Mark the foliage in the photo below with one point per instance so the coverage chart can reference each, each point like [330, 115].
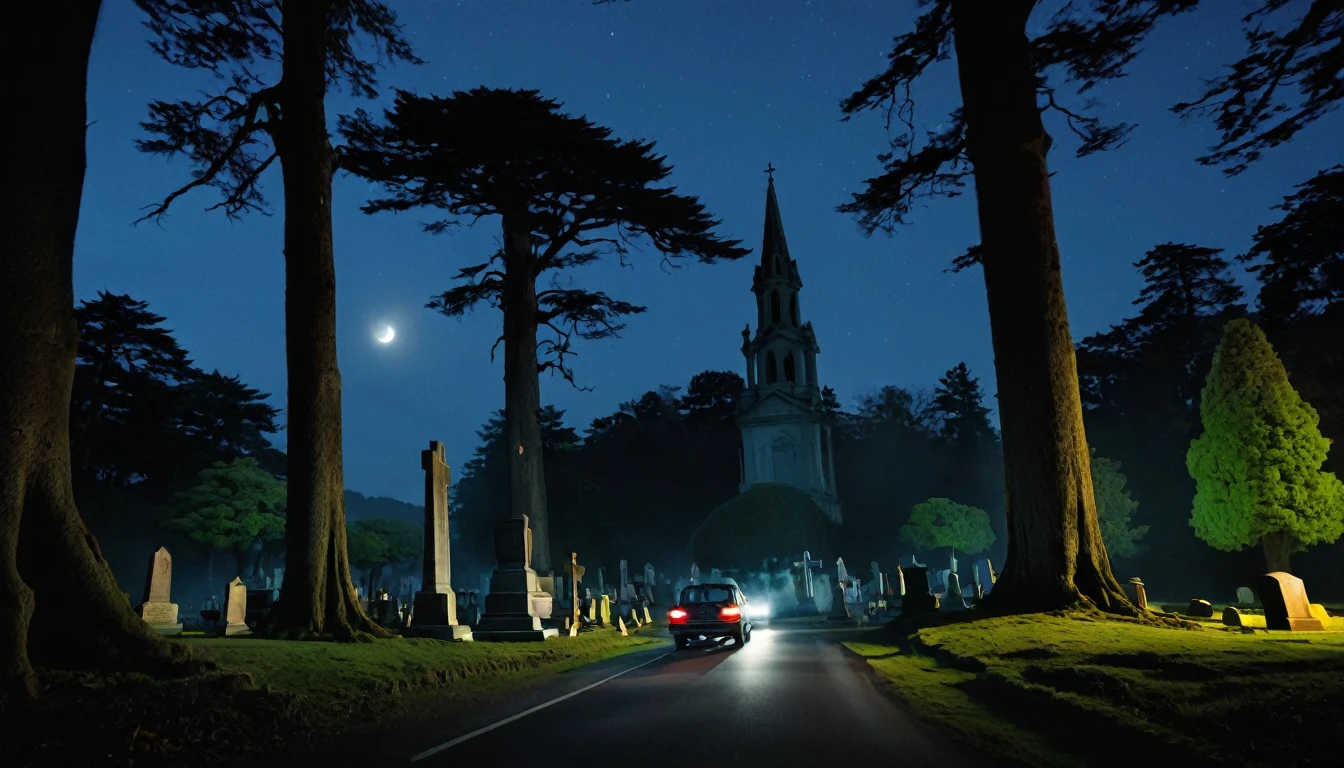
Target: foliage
[143, 415]
[376, 542]
[769, 520]
[1114, 508]
[1300, 258]
[1287, 80]
[1257, 465]
[579, 193]
[943, 523]
[234, 505]
[958, 402]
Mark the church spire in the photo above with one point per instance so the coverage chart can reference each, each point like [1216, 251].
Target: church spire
[773, 242]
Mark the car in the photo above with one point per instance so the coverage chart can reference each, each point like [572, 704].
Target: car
[710, 611]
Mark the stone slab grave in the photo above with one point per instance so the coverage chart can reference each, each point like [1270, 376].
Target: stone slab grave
[1286, 606]
[434, 613]
[235, 609]
[511, 606]
[157, 609]
[1234, 618]
[822, 593]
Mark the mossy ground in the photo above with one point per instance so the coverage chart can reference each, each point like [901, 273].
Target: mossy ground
[1079, 688]
[268, 693]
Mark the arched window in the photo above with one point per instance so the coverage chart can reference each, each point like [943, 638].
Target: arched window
[783, 461]
[793, 309]
[774, 307]
[789, 373]
[771, 372]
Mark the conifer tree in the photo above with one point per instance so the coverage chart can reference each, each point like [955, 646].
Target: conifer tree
[1257, 467]
[1114, 508]
[566, 193]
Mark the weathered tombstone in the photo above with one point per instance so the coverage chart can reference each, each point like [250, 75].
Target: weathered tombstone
[601, 581]
[839, 604]
[512, 607]
[1137, 594]
[157, 609]
[1286, 606]
[650, 579]
[1245, 596]
[918, 597]
[900, 576]
[277, 575]
[624, 587]
[1200, 609]
[435, 604]
[876, 581]
[715, 576]
[605, 610]
[841, 575]
[823, 593]
[695, 573]
[235, 609]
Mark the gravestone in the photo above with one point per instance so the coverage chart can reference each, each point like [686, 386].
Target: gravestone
[1286, 606]
[435, 604]
[678, 587]
[157, 609]
[809, 602]
[277, 575]
[512, 607]
[876, 580]
[918, 598]
[839, 604]
[235, 609]
[695, 573]
[1137, 594]
[900, 577]
[624, 590]
[715, 576]
[1245, 596]
[471, 614]
[841, 575]
[822, 593]
[1200, 609]
[650, 580]
[952, 562]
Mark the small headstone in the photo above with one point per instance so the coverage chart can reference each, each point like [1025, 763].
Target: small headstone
[1234, 618]
[235, 609]
[1286, 606]
[157, 609]
[1137, 594]
[1200, 609]
[1245, 596]
[918, 597]
[822, 593]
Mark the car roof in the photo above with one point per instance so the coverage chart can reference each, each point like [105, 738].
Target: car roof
[720, 584]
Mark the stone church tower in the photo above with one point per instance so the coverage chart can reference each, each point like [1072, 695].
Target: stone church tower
[786, 435]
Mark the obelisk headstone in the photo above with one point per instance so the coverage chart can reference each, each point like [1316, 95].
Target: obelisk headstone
[695, 573]
[235, 609]
[157, 609]
[435, 608]
[511, 608]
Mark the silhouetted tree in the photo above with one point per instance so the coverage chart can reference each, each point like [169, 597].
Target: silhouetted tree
[566, 193]
[958, 404]
[1114, 507]
[1299, 259]
[232, 136]
[1286, 81]
[62, 606]
[973, 469]
[1055, 551]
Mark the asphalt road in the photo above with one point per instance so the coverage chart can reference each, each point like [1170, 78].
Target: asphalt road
[786, 696]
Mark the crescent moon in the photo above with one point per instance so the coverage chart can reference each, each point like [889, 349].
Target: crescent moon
[388, 334]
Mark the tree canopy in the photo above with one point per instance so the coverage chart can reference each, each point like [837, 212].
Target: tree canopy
[1257, 467]
[232, 505]
[943, 523]
[769, 520]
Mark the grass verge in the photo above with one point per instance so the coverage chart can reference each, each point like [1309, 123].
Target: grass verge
[268, 694]
[1069, 688]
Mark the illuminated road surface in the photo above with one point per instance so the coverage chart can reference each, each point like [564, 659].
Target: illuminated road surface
[786, 697]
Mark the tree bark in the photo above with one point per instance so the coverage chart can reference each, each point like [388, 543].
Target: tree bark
[1055, 551]
[1278, 548]
[61, 605]
[318, 597]
[522, 390]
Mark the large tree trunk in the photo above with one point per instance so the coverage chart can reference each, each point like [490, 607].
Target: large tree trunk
[1055, 551]
[59, 603]
[1278, 548]
[318, 597]
[522, 391]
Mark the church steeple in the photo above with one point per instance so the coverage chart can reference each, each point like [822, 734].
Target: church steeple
[773, 243]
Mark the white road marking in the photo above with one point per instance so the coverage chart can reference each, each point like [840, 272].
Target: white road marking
[449, 744]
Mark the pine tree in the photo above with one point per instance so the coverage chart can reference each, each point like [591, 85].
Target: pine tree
[275, 62]
[232, 506]
[566, 193]
[1257, 465]
[959, 404]
[1114, 508]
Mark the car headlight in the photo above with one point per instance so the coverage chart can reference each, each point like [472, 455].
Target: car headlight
[762, 610]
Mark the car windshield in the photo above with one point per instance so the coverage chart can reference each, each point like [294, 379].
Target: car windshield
[706, 594]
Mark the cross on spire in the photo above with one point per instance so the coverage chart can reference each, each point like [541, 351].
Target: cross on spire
[770, 171]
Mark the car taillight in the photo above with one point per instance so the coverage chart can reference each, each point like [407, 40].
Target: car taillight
[730, 613]
[676, 616]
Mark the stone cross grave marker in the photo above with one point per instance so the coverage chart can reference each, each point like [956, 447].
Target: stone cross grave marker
[808, 589]
[435, 608]
[235, 609]
[1284, 597]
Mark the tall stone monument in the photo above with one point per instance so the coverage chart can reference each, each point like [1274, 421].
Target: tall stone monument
[807, 604]
[235, 609]
[157, 609]
[511, 607]
[435, 608]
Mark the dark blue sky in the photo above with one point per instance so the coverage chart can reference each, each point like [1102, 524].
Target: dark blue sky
[724, 88]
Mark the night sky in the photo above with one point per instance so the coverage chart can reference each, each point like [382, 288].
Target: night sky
[724, 88]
